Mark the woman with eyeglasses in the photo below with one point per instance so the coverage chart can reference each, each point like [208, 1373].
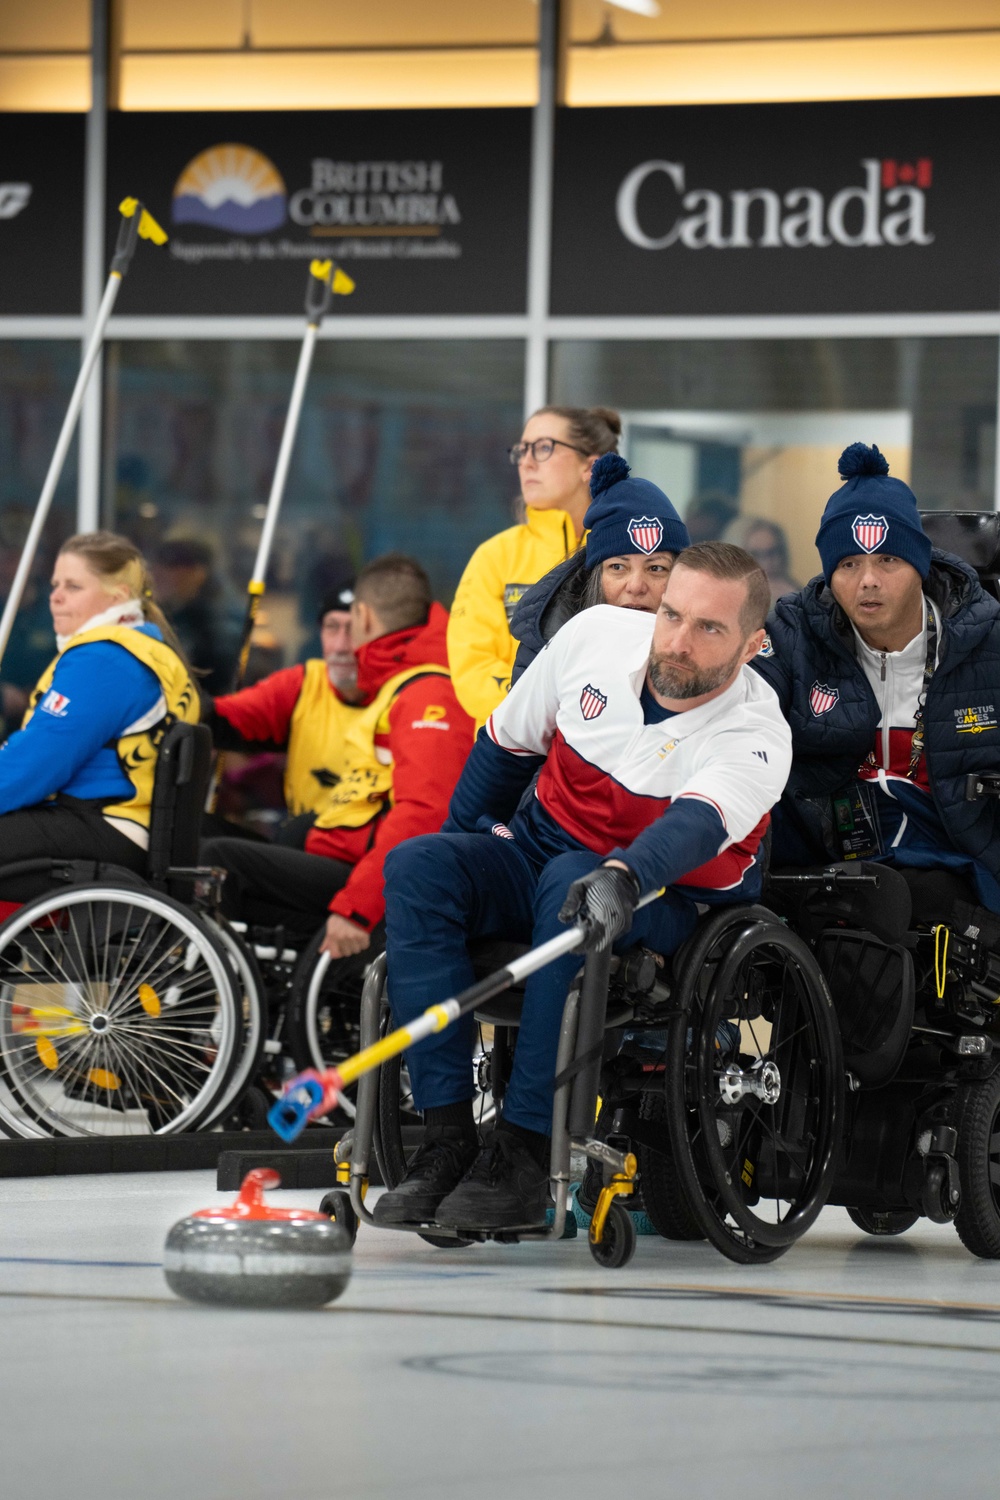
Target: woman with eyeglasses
[633, 535]
[557, 451]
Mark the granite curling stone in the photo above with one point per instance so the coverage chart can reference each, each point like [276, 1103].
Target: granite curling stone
[250, 1255]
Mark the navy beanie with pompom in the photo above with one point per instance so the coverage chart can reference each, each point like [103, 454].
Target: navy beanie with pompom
[871, 513]
[628, 515]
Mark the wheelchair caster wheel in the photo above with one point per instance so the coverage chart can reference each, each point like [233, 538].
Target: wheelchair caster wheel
[617, 1245]
[941, 1197]
[250, 1112]
[336, 1205]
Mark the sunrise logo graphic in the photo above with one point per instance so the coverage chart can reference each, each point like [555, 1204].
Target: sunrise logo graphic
[231, 187]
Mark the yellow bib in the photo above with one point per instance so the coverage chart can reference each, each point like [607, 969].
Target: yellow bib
[366, 785]
[137, 749]
[317, 739]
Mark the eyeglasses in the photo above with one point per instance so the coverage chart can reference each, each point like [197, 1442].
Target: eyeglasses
[540, 449]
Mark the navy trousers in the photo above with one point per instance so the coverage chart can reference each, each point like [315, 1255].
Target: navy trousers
[445, 888]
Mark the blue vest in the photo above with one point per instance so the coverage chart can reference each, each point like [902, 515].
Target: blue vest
[809, 657]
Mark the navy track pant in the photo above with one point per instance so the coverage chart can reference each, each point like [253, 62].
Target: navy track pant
[444, 888]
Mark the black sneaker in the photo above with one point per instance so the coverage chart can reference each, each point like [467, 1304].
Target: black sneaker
[505, 1188]
[438, 1166]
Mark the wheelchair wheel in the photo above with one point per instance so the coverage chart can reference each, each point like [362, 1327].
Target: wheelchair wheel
[660, 1186]
[617, 1245]
[118, 1016]
[891, 1221]
[754, 1125]
[253, 1011]
[976, 1117]
[337, 1206]
[322, 1018]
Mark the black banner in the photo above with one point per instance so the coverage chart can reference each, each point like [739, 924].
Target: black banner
[887, 206]
[427, 210]
[41, 214]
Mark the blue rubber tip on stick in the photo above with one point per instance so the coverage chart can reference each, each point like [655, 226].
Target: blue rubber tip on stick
[290, 1115]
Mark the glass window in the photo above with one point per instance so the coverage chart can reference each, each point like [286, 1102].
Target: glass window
[36, 381]
[402, 445]
[746, 433]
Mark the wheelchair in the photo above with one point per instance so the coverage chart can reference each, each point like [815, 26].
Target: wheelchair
[127, 1006]
[919, 1016]
[720, 1077]
[130, 1005]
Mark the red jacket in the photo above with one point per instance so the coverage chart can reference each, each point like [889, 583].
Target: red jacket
[427, 762]
[261, 714]
[428, 750]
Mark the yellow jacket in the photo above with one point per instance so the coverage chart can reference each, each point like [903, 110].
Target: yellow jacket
[481, 649]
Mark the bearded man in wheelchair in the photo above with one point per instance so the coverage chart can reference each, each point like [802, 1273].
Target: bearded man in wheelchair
[888, 669]
[658, 755]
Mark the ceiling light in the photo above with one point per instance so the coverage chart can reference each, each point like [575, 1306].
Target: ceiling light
[640, 7]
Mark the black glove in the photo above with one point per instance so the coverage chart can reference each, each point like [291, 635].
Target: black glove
[604, 901]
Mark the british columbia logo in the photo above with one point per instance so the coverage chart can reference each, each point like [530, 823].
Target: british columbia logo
[592, 702]
[645, 534]
[823, 698]
[231, 187]
[870, 532]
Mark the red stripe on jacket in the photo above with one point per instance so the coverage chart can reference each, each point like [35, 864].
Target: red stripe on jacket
[600, 813]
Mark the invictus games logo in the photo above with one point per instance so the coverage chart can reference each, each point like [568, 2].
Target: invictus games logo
[655, 210]
[975, 720]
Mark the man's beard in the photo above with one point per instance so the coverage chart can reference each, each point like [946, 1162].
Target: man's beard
[677, 680]
[343, 675]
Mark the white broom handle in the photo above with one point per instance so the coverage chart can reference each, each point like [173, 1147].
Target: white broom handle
[58, 459]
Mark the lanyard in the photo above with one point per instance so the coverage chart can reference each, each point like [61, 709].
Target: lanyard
[917, 739]
[917, 742]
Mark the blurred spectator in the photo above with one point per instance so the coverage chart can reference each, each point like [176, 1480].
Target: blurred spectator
[766, 541]
[208, 621]
[330, 575]
[708, 515]
[32, 643]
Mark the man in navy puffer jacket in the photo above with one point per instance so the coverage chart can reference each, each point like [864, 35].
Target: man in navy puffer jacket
[888, 670]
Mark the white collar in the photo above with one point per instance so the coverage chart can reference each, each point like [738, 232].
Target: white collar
[128, 613]
[914, 649]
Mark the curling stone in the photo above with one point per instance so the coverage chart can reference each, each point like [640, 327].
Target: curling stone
[250, 1255]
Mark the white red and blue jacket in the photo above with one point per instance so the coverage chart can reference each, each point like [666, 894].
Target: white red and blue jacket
[682, 800]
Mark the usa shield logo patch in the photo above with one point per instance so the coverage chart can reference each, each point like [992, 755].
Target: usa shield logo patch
[645, 533]
[823, 698]
[870, 532]
[592, 702]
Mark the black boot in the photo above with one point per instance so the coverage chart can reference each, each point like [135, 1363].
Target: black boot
[438, 1166]
[505, 1188]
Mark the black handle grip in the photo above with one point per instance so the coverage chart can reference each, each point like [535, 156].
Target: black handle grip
[982, 784]
[128, 238]
[319, 296]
